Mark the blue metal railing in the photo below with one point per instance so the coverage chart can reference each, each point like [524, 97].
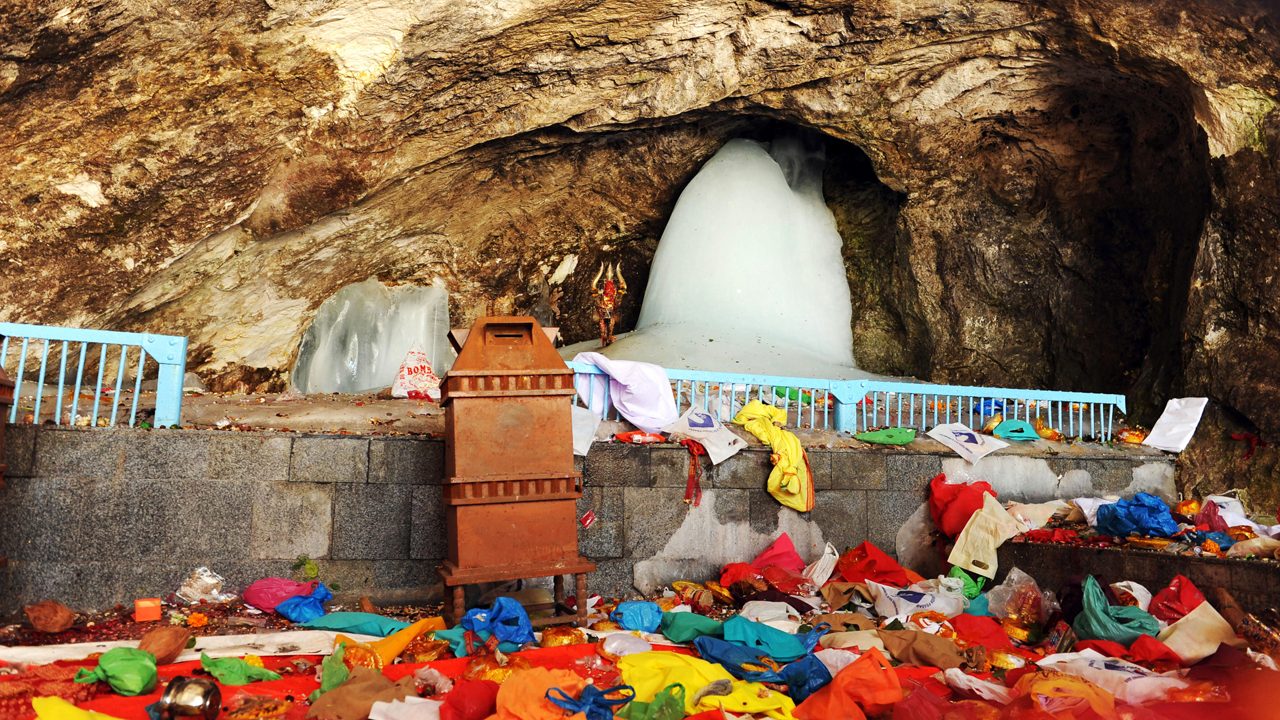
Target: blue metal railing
[858, 405]
[71, 348]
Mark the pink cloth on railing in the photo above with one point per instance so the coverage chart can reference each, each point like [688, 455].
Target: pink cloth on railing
[640, 391]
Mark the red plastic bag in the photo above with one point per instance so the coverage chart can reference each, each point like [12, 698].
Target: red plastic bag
[868, 562]
[980, 630]
[1110, 648]
[867, 686]
[639, 437]
[923, 676]
[267, 593]
[786, 581]
[951, 506]
[921, 704]
[1180, 598]
[1150, 651]
[1210, 516]
[734, 572]
[470, 700]
[781, 553]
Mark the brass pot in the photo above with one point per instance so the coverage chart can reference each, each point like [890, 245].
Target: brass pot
[186, 697]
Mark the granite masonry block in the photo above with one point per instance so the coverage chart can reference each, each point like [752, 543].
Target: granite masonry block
[763, 512]
[97, 453]
[372, 522]
[618, 464]
[612, 578]
[406, 461]
[652, 516]
[858, 470]
[329, 459]
[749, 469]
[258, 457]
[292, 519]
[20, 450]
[842, 515]
[820, 460]
[36, 522]
[427, 530]
[887, 511]
[669, 467]
[911, 472]
[605, 537]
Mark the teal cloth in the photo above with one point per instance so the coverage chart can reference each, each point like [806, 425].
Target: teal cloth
[770, 641]
[1099, 620]
[129, 671]
[357, 622]
[454, 636]
[980, 605]
[683, 627]
[234, 671]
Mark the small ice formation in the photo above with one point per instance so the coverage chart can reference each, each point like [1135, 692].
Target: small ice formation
[748, 276]
[361, 335]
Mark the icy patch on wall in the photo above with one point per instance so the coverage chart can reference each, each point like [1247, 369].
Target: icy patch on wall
[360, 336]
[703, 545]
[748, 276]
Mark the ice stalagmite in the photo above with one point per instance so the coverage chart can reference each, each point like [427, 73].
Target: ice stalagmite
[748, 276]
[360, 336]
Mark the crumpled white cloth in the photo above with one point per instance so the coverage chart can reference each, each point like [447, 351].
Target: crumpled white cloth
[640, 391]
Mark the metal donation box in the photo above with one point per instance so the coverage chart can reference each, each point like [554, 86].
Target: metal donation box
[510, 487]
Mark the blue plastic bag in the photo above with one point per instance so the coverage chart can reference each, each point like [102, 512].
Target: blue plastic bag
[1145, 514]
[593, 703]
[802, 677]
[507, 620]
[638, 615]
[305, 608]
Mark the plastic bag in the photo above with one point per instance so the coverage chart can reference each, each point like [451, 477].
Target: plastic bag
[234, 671]
[358, 622]
[668, 704]
[982, 631]
[1099, 620]
[649, 673]
[1128, 682]
[973, 584]
[1176, 600]
[1060, 695]
[638, 615]
[203, 585]
[891, 601]
[470, 700]
[415, 379]
[957, 679]
[333, 672]
[1145, 514]
[778, 615]
[986, 530]
[1129, 590]
[128, 671]
[735, 572]
[620, 645]
[821, 569]
[55, 708]
[593, 703]
[1261, 546]
[684, 627]
[782, 553]
[507, 620]
[787, 582]
[305, 608]
[781, 646]
[921, 704]
[1197, 635]
[267, 593]
[868, 685]
[1016, 585]
[868, 562]
[952, 504]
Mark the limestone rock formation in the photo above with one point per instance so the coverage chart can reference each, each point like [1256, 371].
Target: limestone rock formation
[1079, 194]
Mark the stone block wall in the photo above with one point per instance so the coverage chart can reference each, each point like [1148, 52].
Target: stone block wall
[96, 516]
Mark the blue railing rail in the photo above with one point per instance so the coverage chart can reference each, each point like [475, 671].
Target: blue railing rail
[858, 405]
[115, 355]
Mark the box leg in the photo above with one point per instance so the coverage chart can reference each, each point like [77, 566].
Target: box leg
[581, 588]
[459, 604]
[557, 585]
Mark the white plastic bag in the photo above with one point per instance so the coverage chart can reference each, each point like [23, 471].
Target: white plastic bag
[968, 444]
[1130, 683]
[721, 442]
[415, 379]
[1173, 431]
[957, 679]
[585, 424]
[204, 585]
[890, 601]
[778, 615]
[1138, 592]
[986, 530]
[820, 571]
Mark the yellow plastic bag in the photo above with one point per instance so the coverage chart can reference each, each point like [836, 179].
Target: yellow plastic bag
[790, 482]
[987, 529]
[648, 673]
[752, 699]
[55, 708]
[1047, 687]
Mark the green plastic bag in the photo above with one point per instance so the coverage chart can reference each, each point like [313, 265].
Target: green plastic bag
[668, 704]
[1102, 621]
[234, 671]
[333, 672]
[683, 627]
[888, 436]
[972, 583]
[129, 671]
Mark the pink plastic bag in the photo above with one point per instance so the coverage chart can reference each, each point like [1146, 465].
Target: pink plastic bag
[781, 553]
[267, 593]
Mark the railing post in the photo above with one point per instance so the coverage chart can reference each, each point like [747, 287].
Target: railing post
[171, 355]
[848, 394]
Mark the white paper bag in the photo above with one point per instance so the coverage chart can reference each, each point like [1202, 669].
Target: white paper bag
[969, 444]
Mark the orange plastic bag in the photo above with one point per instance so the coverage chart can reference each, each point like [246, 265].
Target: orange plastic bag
[524, 695]
[867, 686]
[1057, 693]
